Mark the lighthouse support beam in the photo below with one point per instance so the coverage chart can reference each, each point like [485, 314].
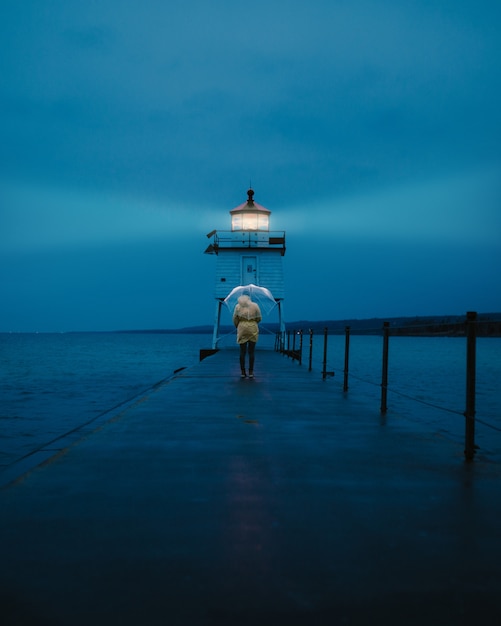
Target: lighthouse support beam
[281, 320]
[217, 322]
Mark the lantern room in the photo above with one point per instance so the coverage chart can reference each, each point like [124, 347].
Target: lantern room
[250, 216]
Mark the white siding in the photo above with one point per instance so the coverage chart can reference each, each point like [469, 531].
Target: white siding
[227, 272]
[270, 272]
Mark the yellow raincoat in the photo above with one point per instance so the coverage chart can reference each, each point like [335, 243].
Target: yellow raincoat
[246, 318]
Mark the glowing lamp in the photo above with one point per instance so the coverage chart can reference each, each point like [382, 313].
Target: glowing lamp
[250, 216]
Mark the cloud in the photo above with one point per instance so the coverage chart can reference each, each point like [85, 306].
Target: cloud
[172, 99]
[43, 218]
[458, 208]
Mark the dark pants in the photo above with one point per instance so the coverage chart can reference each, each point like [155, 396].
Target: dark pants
[243, 350]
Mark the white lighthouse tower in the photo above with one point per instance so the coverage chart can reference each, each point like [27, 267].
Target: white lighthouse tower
[248, 254]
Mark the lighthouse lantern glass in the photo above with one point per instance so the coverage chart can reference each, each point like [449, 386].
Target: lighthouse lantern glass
[251, 220]
[236, 222]
[263, 221]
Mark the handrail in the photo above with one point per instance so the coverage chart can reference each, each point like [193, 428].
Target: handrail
[286, 344]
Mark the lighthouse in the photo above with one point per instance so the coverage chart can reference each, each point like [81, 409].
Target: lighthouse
[249, 253]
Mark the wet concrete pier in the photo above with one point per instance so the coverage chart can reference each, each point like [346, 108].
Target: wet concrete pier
[279, 500]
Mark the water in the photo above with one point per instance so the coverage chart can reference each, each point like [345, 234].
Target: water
[53, 383]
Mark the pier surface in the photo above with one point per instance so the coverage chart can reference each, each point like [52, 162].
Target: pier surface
[279, 500]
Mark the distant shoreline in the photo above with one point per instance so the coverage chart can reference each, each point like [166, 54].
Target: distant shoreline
[489, 325]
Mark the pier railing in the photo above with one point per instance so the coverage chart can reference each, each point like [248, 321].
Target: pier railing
[291, 343]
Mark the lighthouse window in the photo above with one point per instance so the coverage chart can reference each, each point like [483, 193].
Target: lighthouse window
[236, 222]
[249, 221]
[262, 222]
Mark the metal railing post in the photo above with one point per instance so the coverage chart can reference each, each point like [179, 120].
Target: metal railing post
[346, 356]
[384, 378]
[311, 350]
[300, 347]
[324, 371]
[471, 358]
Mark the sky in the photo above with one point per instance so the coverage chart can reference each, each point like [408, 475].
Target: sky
[371, 129]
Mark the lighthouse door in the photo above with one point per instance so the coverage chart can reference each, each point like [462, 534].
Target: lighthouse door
[249, 270]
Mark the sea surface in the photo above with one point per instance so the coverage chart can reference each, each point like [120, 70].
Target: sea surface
[51, 384]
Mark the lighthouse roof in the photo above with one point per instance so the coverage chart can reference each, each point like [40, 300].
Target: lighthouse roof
[250, 205]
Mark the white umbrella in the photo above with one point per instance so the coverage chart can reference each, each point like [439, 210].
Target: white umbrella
[260, 295]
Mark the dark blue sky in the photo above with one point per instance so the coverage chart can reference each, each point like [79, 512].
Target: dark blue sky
[371, 130]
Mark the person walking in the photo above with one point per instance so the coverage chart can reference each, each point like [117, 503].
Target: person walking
[246, 318]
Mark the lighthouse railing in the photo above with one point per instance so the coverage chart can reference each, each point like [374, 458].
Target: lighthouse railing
[249, 239]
